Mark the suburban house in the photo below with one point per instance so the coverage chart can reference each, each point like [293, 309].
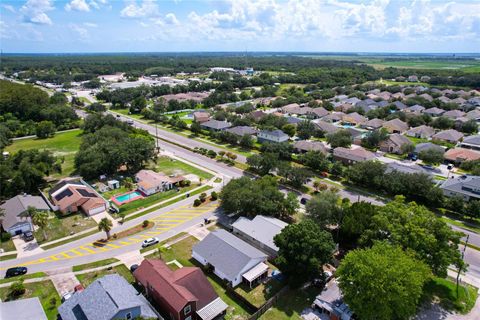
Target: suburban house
[257, 115]
[201, 116]
[353, 119]
[403, 168]
[459, 155]
[428, 146]
[334, 117]
[471, 142]
[467, 187]
[22, 309]
[72, 196]
[474, 115]
[394, 143]
[14, 220]
[150, 182]
[423, 132]
[434, 112]
[259, 232]
[450, 135]
[215, 125]
[330, 303]
[183, 294]
[351, 156]
[372, 124]
[395, 126]
[240, 131]
[318, 113]
[454, 114]
[415, 109]
[292, 108]
[399, 105]
[325, 127]
[272, 136]
[110, 297]
[303, 146]
[231, 258]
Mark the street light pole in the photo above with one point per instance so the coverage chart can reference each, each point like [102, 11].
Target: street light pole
[463, 256]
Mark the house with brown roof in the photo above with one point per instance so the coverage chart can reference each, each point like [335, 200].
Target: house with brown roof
[394, 143]
[451, 136]
[325, 127]
[372, 124]
[201, 116]
[454, 114]
[150, 182]
[73, 196]
[303, 146]
[434, 112]
[351, 156]
[459, 155]
[183, 294]
[423, 131]
[353, 119]
[292, 108]
[395, 126]
[257, 115]
[318, 113]
[333, 117]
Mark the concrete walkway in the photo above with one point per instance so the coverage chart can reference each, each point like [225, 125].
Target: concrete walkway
[131, 258]
[25, 249]
[63, 280]
[99, 216]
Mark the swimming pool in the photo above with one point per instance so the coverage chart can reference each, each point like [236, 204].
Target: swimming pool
[127, 197]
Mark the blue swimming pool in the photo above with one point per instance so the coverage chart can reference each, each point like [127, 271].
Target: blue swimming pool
[127, 197]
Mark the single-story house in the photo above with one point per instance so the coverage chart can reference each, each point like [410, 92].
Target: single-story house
[242, 130]
[450, 135]
[353, 118]
[303, 146]
[259, 232]
[400, 105]
[467, 187]
[403, 168]
[150, 182]
[22, 309]
[110, 297]
[182, 294]
[471, 142]
[330, 303]
[395, 126]
[294, 120]
[325, 127]
[459, 155]
[394, 143]
[231, 258]
[454, 114]
[257, 115]
[426, 96]
[474, 115]
[318, 112]
[351, 156]
[372, 124]
[14, 220]
[292, 108]
[428, 146]
[333, 117]
[272, 136]
[215, 125]
[72, 196]
[434, 112]
[201, 116]
[415, 109]
[423, 131]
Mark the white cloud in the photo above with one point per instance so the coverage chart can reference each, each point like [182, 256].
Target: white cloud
[80, 31]
[90, 24]
[170, 18]
[8, 7]
[34, 11]
[147, 8]
[77, 5]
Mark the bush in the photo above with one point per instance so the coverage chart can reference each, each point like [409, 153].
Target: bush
[212, 154]
[145, 223]
[5, 236]
[17, 288]
[197, 202]
[213, 196]
[203, 197]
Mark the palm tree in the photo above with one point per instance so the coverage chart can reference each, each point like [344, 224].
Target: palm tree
[128, 183]
[40, 218]
[105, 225]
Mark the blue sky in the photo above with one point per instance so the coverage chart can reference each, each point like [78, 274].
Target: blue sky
[239, 25]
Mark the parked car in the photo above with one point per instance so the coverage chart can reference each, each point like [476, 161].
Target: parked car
[78, 288]
[28, 236]
[15, 271]
[150, 242]
[303, 201]
[130, 122]
[118, 116]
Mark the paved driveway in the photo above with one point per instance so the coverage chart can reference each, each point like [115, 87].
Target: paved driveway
[25, 249]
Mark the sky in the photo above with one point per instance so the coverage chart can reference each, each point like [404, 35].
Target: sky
[48, 26]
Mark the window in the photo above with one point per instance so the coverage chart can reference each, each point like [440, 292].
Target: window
[187, 309]
[128, 316]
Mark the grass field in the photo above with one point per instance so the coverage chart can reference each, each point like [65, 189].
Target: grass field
[64, 144]
[445, 291]
[87, 278]
[172, 166]
[44, 290]
[24, 277]
[60, 227]
[291, 304]
[472, 66]
[95, 264]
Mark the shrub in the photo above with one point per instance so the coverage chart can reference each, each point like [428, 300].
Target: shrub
[5, 236]
[145, 223]
[203, 197]
[213, 196]
[212, 154]
[197, 202]
[17, 288]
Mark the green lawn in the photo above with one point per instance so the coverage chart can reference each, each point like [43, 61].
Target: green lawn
[416, 141]
[87, 278]
[126, 112]
[27, 276]
[95, 264]
[62, 226]
[259, 294]
[445, 290]
[64, 144]
[182, 252]
[7, 246]
[44, 290]
[170, 166]
[291, 304]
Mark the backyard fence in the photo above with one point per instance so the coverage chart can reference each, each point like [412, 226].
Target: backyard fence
[267, 305]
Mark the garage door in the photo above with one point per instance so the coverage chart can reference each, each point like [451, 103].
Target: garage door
[19, 228]
[96, 210]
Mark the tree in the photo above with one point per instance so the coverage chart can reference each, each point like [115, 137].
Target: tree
[337, 169]
[372, 139]
[431, 156]
[40, 218]
[324, 208]
[105, 225]
[472, 209]
[289, 129]
[195, 128]
[341, 138]
[263, 163]
[407, 148]
[305, 129]
[303, 249]
[17, 288]
[382, 282]
[45, 129]
[357, 218]
[246, 141]
[470, 127]
[213, 196]
[202, 197]
[296, 176]
[414, 227]
[315, 160]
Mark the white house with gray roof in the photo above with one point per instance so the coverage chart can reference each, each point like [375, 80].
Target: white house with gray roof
[260, 232]
[14, 220]
[231, 258]
[467, 187]
[110, 297]
[471, 142]
[22, 309]
[272, 136]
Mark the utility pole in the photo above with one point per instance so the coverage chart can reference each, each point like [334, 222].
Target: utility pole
[156, 137]
[463, 257]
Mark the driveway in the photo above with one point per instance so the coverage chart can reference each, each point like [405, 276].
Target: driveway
[63, 280]
[131, 258]
[25, 249]
[99, 216]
